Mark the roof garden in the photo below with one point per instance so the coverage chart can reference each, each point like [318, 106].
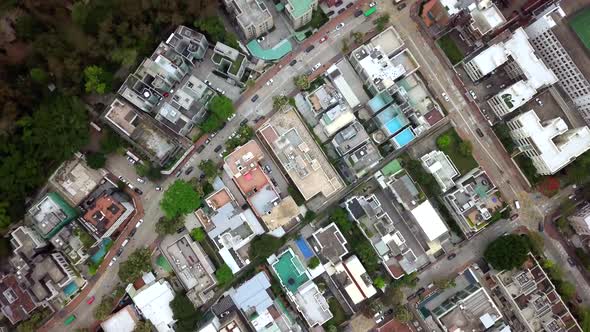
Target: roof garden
[290, 271]
[235, 66]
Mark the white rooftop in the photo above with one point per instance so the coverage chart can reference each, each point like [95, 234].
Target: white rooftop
[451, 6]
[342, 86]
[312, 304]
[557, 145]
[359, 289]
[486, 16]
[429, 220]
[441, 167]
[123, 320]
[518, 94]
[153, 302]
[378, 66]
[336, 118]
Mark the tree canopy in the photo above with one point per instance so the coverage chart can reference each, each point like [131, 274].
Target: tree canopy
[97, 80]
[184, 313]
[138, 263]
[209, 168]
[213, 28]
[169, 226]
[96, 160]
[224, 275]
[302, 82]
[198, 234]
[220, 108]
[507, 252]
[104, 308]
[263, 246]
[179, 199]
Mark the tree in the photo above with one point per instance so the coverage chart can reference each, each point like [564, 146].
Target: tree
[278, 102]
[507, 252]
[179, 199]
[125, 56]
[209, 168]
[465, 148]
[184, 313]
[393, 296]
[4, 217]
[403, 314]
[38, 75]
[302, 82]
[143, 326]
[444, 283]
[167, 226]
[296, 195]
[149, 170]
[549, 186]
[97, 80]
[263, 246]
[313, 262]
[345, 48]
[104, 308]
[96, 160]
[382, 21]
[444, 141]
[224, 275]
[34, 322]
[212, 27]
[357, 37]
[567, 290]
[138, 263]
[379, 282]
[536, 242]
[340, 217]
[198, 234]
[221, 106]
[110, 142]
[563, 225]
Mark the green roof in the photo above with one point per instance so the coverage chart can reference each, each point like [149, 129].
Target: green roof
[290, 271]
[392, 168]
[300, 7]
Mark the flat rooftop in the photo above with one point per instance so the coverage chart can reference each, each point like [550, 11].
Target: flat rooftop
[331, 243]
[51, 212]
[441, 167]
[429, 220]
[75, 180]
[350, 138]
[251, 11]
[191, 264]
[486, 19]
[282, 214]
[291, 272]
[300, 156]
[299, 7]
[243, 159]
[105, 211]
[377, 67]
[313, 305]
[389, 41]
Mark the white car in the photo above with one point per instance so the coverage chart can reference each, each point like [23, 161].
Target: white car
[140, 180]
[139, 223]
[231, 117]
[316, 66]
[113, 261]
[269, 82]
[372, 4]
[261, 39]
[472, 93]
[445, 96]
[340, 26]
[539, 101]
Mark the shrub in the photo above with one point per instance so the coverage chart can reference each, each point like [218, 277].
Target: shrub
[313, 262]
[507, 252]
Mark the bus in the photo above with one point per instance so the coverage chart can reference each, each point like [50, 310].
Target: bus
[370, 11]
[70, 320]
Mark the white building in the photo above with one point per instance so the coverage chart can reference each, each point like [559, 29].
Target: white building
[358, 285]
[335, 119]
[580, 220]
[485, 16]
[550, 144]
[124, 320]
[253, 16]
[441, 167]
[521, 61]
[571, 79]
[153, 302]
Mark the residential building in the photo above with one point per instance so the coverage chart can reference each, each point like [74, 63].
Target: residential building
[68, 241]
[300, 12]
[330, 245]
[534, 299]
[580, 220]
[441, 167]
[323, 98]
[253, 16]
[265, 312]
[16, 302]
[230, 227]
[51, 214]
[300, 288]
[355, 281]
[550, 144]
[363, 159]
[432, 226]
[339, 82]
[140, 130]
[475, 201]
[106, 211]
[124, 320]
[375, 68]
[350, 138]
[193, 268]
[555, 55]
[152, 300]
[74, 180]
[303, 160]
[464, 306]
[244, 166]
[189, 43]
[230, 61]
[521, 62]
[335, 119]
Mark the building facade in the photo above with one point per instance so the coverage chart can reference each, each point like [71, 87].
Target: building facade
[253, 16]
[580, 220]
[300, 12]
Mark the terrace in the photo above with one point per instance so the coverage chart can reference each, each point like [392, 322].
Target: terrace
[291, 272]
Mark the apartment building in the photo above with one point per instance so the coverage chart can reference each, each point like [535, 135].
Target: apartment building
[550, 144]
[300, 12]
[580, 220]
[253, 16]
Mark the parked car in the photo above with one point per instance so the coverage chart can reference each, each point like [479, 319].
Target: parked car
[140, 180]
[316, 66]
[119, 252]
[514, 216]
[341, 10]
[340, 26]
[158, 188]
[178, 173]
[445, 96]
[261, 39]
[202, 176]
[330, 13]
[293, 62]
[479, 132]
[132, 232]
[420, 291]
[358, 13]
[189, 170]
[539, 101]
[268, 169]
[243, 122]
[309, 48]
[269, 82]
[181, 229]
[90, 300]
[323, 39]
[254, 98]
[137, 190]
[213, 134]
[217, 148]
[350, 5]
[541, 226]
[139, 223]
[411, 296]
[201, 148]
[472, 93]
[207, 82]
[401, 6]
[451, 256]
[338, 3]
[571, 262]
[113, 261]
[372, 4]
[229, 118]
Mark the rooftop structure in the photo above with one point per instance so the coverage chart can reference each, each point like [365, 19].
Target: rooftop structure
[465, 306]
[75, 180]
[51, 214]
[304, 293]
[330, 243]
[323, 98]
[229, 227]
[124, 320]
[389, 40]
[406, 191]
[430, 221]
[16, 302]
[192, 266]
[534, 299]
[484, 16]
[189, 43]
[253, 16]
[550, 144]
[304, 162]
[580, 220]
[474, 200]
[353, 277]
[350, 138]
[363, 159]
[26, 242]
[67, 241]
[49, 277]
[338, 80]
[153, 302]
[229, 60]
[521, 61]
[441, 167]
[300, 12]
[335, 119]
[139, 130]
[106, 210]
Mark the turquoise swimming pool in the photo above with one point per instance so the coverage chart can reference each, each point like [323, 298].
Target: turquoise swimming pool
[404, 137]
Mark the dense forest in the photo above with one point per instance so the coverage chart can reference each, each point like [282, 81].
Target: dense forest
[56, 58]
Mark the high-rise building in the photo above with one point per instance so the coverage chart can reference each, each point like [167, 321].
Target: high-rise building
[580, 220]
[300, 12]
[252, 16]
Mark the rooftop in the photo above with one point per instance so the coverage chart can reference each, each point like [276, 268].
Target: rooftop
[336, 118]
[485, 17]
[313, 305]
[343, 87]
[300, 156]
[555, 144]
[251, 11]
[429, 220]
[75, 180]
[188, 43]
[191, 265]
[323, 98]
[441, 167]
[377, 67]
[299, 7]
[153, 301]
[364, 158]
[355, 280]
[107, 211]
[389, 40]
[48, 276]
[291, 272]
[123, 320]
[50, 214]
[243, 159]
[16, 302]
[350, 138]
[281, 214]
[252, 296]
[331, 243]
[405, 190]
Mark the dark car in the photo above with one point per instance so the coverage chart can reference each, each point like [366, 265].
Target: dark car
[330, 13]
[293, 62]
[244, 122]
[132, 232]
[358, 13]
[401, 6]
[200, 148]
[119, 252]
[202, 176]
[181, 229]
[541, 226]
[341, 10]
[309, 49]
[411, 297]
[420, 291]
[350, 5]
[137, 190]
[338, 3]
[218, 148]
[514, 216]
[189, 170]
[255, 98]
[479, 132]
[451, 256]
[571, 261]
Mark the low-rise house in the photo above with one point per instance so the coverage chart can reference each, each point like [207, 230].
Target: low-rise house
[152, 300]
[336, 118]
[350, 138]
[580, 220]
[69, 241]
[339, 82]
[323, 98]
[16, 302]
[441, 167]
[74, 180]
[51, 214]
[124, 320]
[230, 61]
[353, 278]
[363, 159]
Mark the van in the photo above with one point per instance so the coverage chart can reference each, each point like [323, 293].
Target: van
[517, 204]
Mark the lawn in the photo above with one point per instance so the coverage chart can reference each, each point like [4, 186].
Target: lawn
[463, 161]
[581, 27]
[452, 51]
[337, 311]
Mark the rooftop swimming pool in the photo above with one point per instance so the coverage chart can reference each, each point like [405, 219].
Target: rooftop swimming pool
[404, 137]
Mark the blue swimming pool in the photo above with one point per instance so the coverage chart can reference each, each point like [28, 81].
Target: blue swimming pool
[102, 251]
[70, 288]
[404, 137]
[393, 126]
[305, 249]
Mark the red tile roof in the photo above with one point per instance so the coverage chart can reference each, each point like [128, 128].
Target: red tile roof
[16, 302]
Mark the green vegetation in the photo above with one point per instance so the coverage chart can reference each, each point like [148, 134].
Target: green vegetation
[393, 296]
[584, 257]
[318, 19]
[444, 283]
[403, 315]
[110, 141]
[502, 131]
[579, 23]
[86, 239]
[407, 280]
[528, 169]
[280, 101]
[138, 263]
[357, 37]
[297, 197]
[263, 246]
[104, 308]
[144, 326]
[220, 109]
[243, 135]
[302, 82]
[209, 168]
[185, 314]
[148, 170]
[319, 81]
[313, 262]
[235, 66]
[507, 98]
[577, 171]
[97, 80]
[198, 234]
[167, 225]
[224, 275]
[179, 199]
[507, 252]
[458, 150]
[96, 160]
[379, 282]
[450, 48]
[214, 30]
[34, 322]
[381, 22]
[337, 311]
